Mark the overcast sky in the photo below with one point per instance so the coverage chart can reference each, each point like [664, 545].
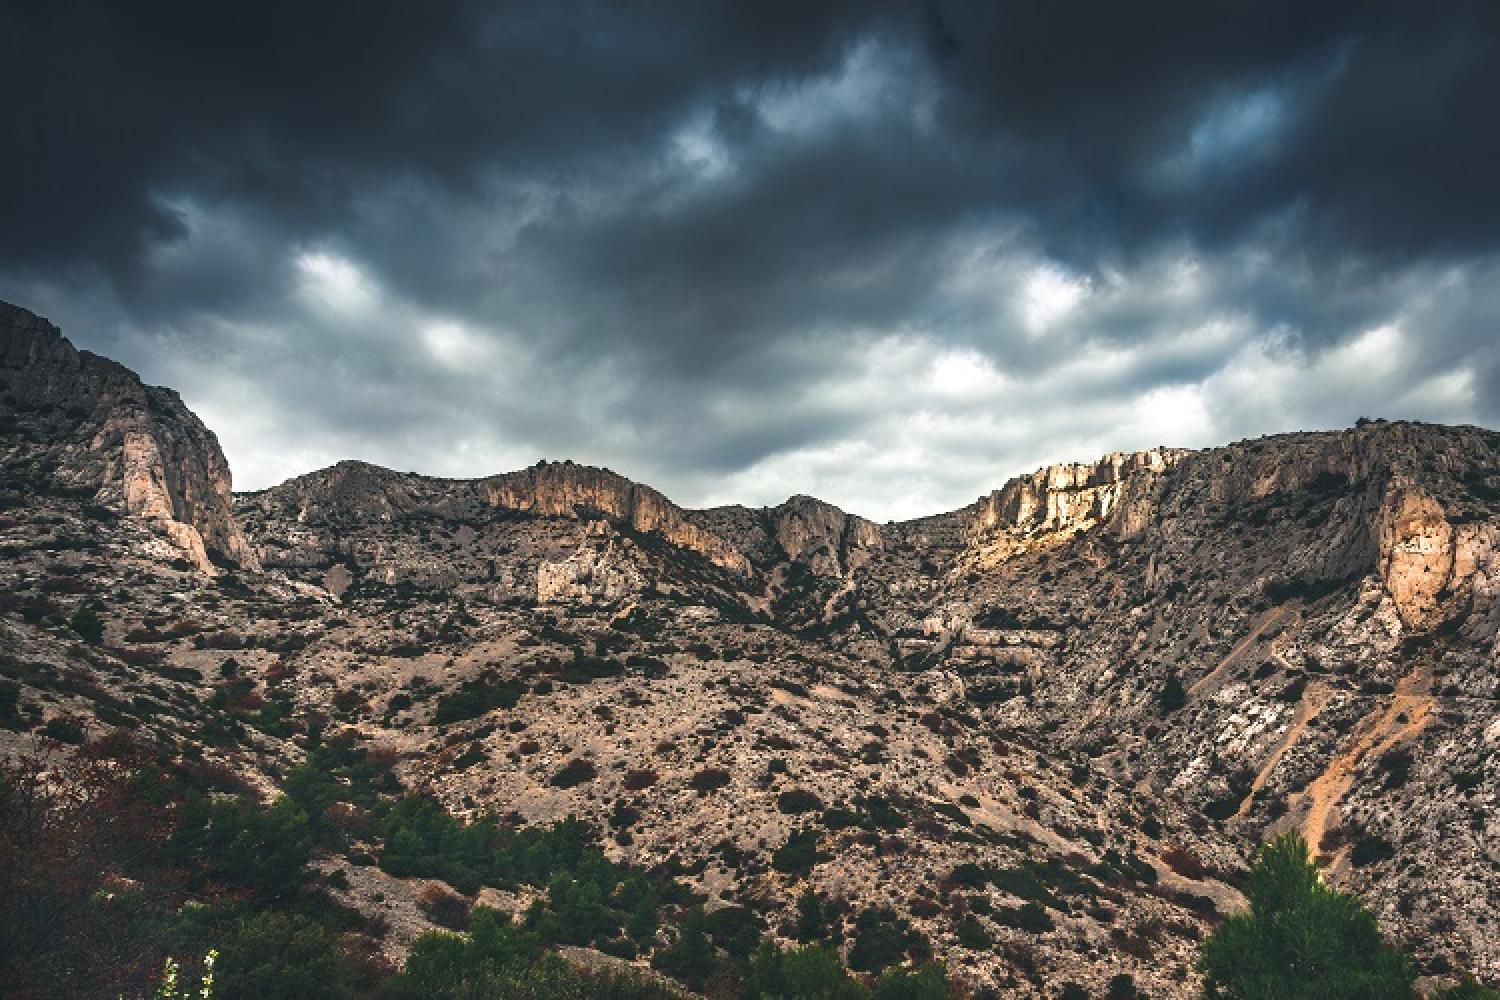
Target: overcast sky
[888, 255]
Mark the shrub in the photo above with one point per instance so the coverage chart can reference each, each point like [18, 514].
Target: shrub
[691, 957]
[972, 935]
[710, 779]
[881, 939]
[263, 849]
[86, 623]
[1369, 849]
[806, 972]
[1030, 917]
[925, 982]
[10, 705]
[798, 855]
[575, 772]
[811, 923]
[969, 874]
[798, 800]
[736, 929]
[276, 954]
[1466, 989]
[1184, 861]
[1173, 695]
[64, 729]
[445, 907]
[473, 699]
[1396, 766]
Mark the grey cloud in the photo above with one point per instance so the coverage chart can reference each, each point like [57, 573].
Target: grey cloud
[740, 252]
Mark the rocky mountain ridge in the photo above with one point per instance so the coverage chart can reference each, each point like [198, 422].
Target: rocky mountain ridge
[1123, 673]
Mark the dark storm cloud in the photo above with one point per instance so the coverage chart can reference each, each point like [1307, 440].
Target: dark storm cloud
[742, 250]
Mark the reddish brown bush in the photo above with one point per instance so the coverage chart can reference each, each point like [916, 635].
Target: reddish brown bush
[1184, 861]
[71, 824]
[444, 906]
[635, 780]
[139, 656]
[348, 700]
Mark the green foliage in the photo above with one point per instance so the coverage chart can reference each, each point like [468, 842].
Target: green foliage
[64, 729]
[263, 849]
[576, 910]
[1467, 989]
[172, 986]
[881, 939]
[1030, 917]
[972, 935]
[575, 772]
[275, 954]
[474, 698]
[925, 982]
[1173, 695]
[1041, 882]
[811, 972]
[498, 961]
[691, 958]
[1370, 848]
[799, 854]
[879, 813]
[798, 800]
[422, 839]
[811, 923]
[10, 705]
[736, 929]
[87, 624]
[584, 669]
[452, 965]
[237, 878]
[313, 791]
[1301, 939]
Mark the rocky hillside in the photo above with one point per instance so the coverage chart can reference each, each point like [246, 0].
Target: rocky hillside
[75, 421]
[1045, 730]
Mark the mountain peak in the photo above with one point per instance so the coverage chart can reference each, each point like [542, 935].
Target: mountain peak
[93, 425]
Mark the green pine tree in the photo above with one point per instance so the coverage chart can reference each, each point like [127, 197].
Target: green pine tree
[1301, 940]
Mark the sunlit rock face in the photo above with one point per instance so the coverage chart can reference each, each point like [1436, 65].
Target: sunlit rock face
[77, 421]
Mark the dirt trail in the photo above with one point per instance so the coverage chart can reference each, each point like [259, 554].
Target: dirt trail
[1314, 700]
[1403, 714]
[1268, 619]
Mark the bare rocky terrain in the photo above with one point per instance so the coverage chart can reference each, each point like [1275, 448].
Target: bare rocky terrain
[1047, 729]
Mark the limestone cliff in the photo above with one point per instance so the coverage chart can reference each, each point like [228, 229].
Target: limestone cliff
[75, 421]
[565, 489]
[830, 541]
[1057, 501]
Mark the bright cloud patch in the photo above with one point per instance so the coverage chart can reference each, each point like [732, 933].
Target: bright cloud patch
[334, 282]
[1048, 296]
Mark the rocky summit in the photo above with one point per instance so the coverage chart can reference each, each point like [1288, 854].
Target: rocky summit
[1038, 738]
